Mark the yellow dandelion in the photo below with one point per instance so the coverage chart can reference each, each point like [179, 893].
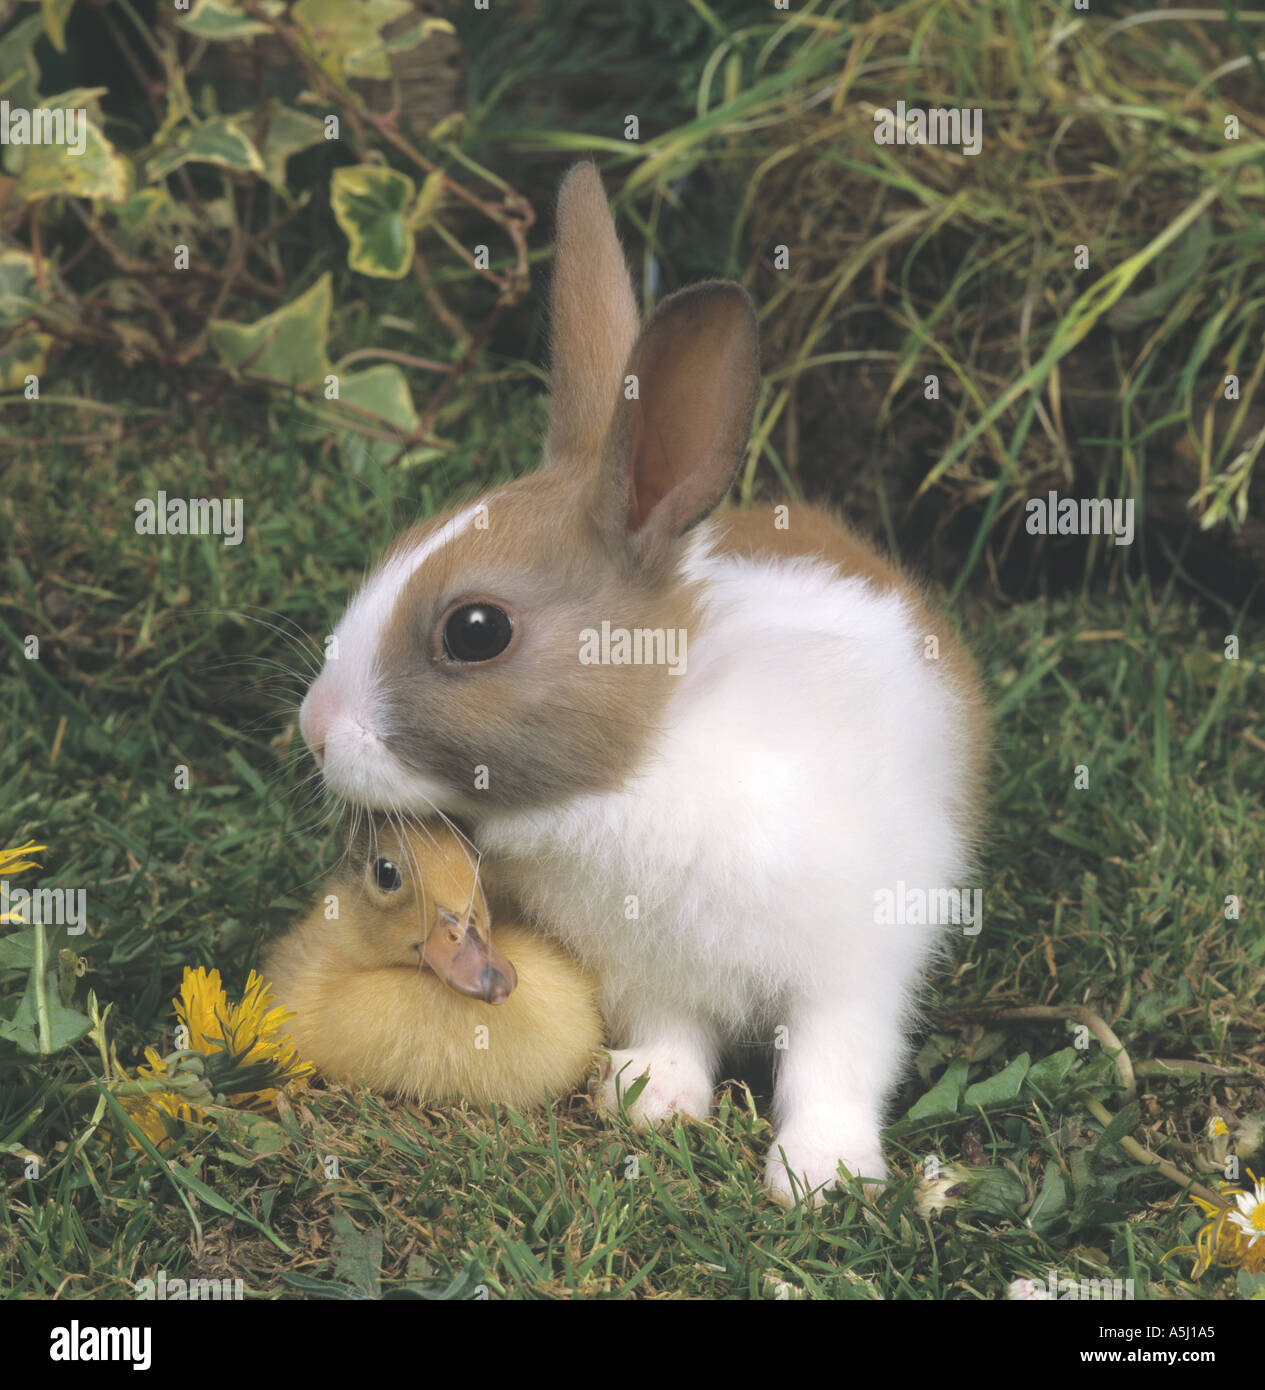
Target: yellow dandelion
[235, 1053]
[253, 1058]
[160, 1115]
[14, 861]
[202, 1007]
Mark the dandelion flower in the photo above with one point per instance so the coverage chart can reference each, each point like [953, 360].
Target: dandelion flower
[251, 1056]
[14, 861]
[239, 1052]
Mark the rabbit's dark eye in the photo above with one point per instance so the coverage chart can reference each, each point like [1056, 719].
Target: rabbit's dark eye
[477, 632]
[387, 876]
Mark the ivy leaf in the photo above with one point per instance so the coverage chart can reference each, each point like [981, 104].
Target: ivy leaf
[372, 206]
[346, 40]
[150, 218]
[55, 14]
[417, 33]
[21, 356]
[217, 141]
[999, 1089]
[290, 342]
[382, 390]
[95, 172]
[289, 131]
[222, 20]
[19, 293]
[19, 72]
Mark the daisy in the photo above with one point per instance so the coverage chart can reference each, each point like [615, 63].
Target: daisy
[1250, 1217]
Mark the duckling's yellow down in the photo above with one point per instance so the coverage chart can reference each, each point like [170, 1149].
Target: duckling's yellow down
[366, 1008]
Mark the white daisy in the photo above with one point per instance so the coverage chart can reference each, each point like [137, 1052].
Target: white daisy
[1250, 1217]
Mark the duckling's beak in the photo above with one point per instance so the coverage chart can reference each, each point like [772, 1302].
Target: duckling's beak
[467, 961]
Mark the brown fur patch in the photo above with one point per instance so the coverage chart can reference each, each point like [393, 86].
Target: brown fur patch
[545, 725]
[594, 321]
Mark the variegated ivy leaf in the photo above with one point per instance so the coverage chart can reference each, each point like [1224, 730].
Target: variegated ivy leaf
[85, 166]
[290, 342]
[19, 72]
[289, 131]
[222, 20]
[373, 205]
[384, 393]
[54, 14]
[18, 289]
[22, 357]
[417, 33]
[217, 141]
[347, 39]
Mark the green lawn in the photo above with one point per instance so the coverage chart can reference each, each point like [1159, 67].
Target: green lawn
[1109, 897]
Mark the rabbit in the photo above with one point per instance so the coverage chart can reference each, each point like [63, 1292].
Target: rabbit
[702, 747]
[397, 987]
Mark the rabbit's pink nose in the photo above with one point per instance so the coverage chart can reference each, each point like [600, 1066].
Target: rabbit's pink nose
[316, 714]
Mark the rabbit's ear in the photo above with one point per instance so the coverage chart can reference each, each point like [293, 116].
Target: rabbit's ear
[595, 319]
[674, 448]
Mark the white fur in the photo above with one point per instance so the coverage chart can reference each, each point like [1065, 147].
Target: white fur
[809, 759]
[356, 762]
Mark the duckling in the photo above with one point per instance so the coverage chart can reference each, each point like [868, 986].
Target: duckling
[406, 988]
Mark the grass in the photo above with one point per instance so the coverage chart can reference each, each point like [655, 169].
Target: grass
[1106, 668]
[1109, 897]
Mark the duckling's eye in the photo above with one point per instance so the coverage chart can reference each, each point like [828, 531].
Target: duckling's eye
[477, 632]
[387, 876]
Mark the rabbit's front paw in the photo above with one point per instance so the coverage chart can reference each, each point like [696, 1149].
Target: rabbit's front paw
[816, 1168]
[674, 1085]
